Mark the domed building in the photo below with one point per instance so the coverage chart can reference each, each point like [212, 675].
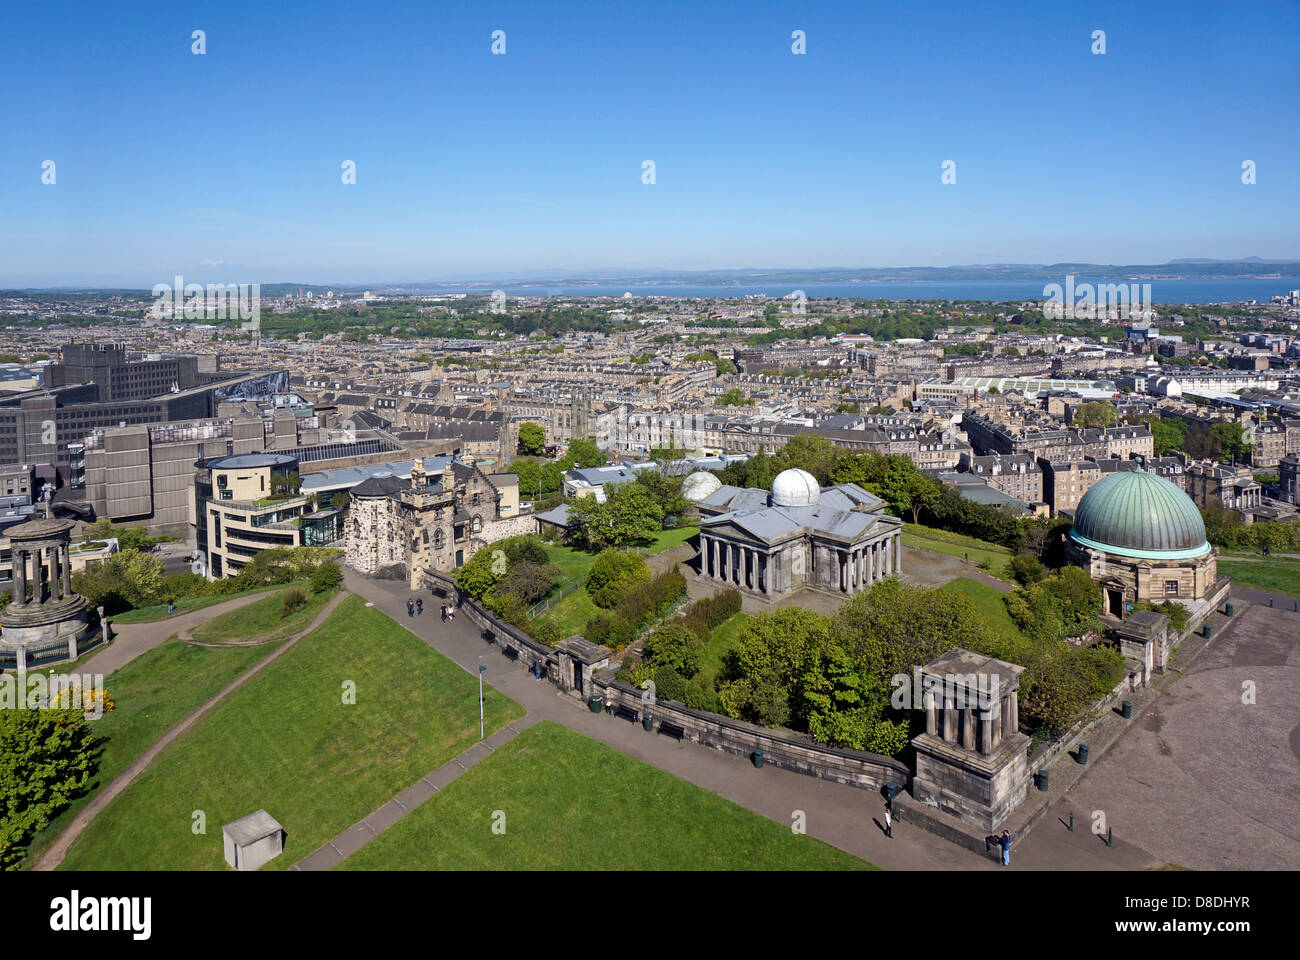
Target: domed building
[1142, 539]
[700, 485]
[776, 542]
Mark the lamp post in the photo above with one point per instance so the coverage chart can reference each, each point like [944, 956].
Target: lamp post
[481, 668]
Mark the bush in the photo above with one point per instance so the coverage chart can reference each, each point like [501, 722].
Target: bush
[546, 632]
[700, 695]
[295, 598]
[527, 549]
[327, 576]
[668, 685]
[613, 574]
[1025, 569]
[528, 579]
[711, 611]
[609, 630]
[673, 646]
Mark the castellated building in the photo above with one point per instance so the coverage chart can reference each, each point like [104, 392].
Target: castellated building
[436, 521]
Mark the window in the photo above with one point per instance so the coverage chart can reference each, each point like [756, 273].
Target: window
[437, 539]
[475, 500]
[477, 525]
[1171, 588]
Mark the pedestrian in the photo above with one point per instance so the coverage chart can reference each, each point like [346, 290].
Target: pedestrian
[419, 606]
[444, 613]
[889, 822]
[171, 604]
[410, 608]
[451, 612]
[1004, 842]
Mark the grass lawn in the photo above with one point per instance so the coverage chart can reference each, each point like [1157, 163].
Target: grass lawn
[667, 539]
[956, 545]
[260, 620]
[152, 694]
[286, 741]
[1275, 574]
[571, 803]
[572, 613]
[573, 564]
[720, 641]
[185, 605]
[989, 602]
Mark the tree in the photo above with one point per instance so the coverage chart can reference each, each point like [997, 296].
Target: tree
[734, 397]
[1026, 568]
[340, 499]
[673, 646]
[532, 440]
[629, 514]
[327, 576]
[47, 759]
[583, 453]
[1232, 440]
[1096, 413]
[613, 574]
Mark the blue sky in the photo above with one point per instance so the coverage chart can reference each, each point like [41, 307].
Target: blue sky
[226, 166]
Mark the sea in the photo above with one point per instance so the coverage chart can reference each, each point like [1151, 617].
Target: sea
[1236, 290]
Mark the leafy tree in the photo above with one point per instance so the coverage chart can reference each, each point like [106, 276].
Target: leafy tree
[1026, 568]
[629, 514]
[340, 500]
[1232, 440]
[734, 397]
[528, 580]
[675, 647]
[480, 573]
[326, 576]
[583, 453]
[1096, 413]
[532, 440]
[612, 574]
[47, 759]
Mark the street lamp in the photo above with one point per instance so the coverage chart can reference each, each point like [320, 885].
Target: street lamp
[481, 668]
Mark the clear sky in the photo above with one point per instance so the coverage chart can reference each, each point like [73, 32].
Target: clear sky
[227, 166]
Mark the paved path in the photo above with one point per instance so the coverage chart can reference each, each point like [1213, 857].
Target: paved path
[59, 849]
[132, 639]
[359, 834]
[840, 815]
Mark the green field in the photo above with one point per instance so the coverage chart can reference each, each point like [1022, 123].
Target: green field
[667, 539]
[720, 641]
[571, 803]
[956, 545]
[260, 620]
[1275, 574]
[286, 741]
[989, 601]
[152, 694]
[185, 605]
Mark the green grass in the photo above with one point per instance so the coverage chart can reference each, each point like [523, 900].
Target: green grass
[286, 742]
[667, 539]
[988, 601]
[152, 694]
[573, 564]
[186, 605]
[571, 803]
[722, 639]
[956, 545]
[260, 620]
[1275, 574]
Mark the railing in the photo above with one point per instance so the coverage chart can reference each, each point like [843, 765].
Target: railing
[541, 606]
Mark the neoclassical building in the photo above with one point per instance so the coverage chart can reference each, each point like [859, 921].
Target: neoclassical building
[1142, 539]
[773, 543]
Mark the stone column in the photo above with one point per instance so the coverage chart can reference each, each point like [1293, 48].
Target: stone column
[949, 718]
[735, 566]
[996, 711]
[1011, 714]
[59, 570]
[18, 570]
[986, 732]
[931, 719]
[968, 728]
[869, 555]
[843, 562]
[898, 551]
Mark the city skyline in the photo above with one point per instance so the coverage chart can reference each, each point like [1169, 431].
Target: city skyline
[470, 163]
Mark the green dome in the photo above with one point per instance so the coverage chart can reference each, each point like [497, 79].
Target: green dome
[1139, 514]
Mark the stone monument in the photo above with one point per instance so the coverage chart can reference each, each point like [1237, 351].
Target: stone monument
[53, 619]
[972, 761]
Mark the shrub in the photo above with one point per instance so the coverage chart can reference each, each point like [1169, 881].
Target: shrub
[668, 685]
[546, 632]
[527, 549]
[528, 579]
[673, 646]
[327, 576]
[613, 574]
[608, 629]
[295, 598]
[699, 693]
[1025, 569]
[713, 610]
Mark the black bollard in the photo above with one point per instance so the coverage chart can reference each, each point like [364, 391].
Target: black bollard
[1072, 821]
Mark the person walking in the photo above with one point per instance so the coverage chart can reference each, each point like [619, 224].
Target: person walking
[889, 821]
[444, 613]
[419, 606]
[410, 608]
[1004, 842]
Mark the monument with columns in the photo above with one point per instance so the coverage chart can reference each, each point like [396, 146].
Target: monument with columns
[972, 761]
[51, 623]
[775, 543]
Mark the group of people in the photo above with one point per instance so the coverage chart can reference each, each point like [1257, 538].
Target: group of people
[415, 607]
